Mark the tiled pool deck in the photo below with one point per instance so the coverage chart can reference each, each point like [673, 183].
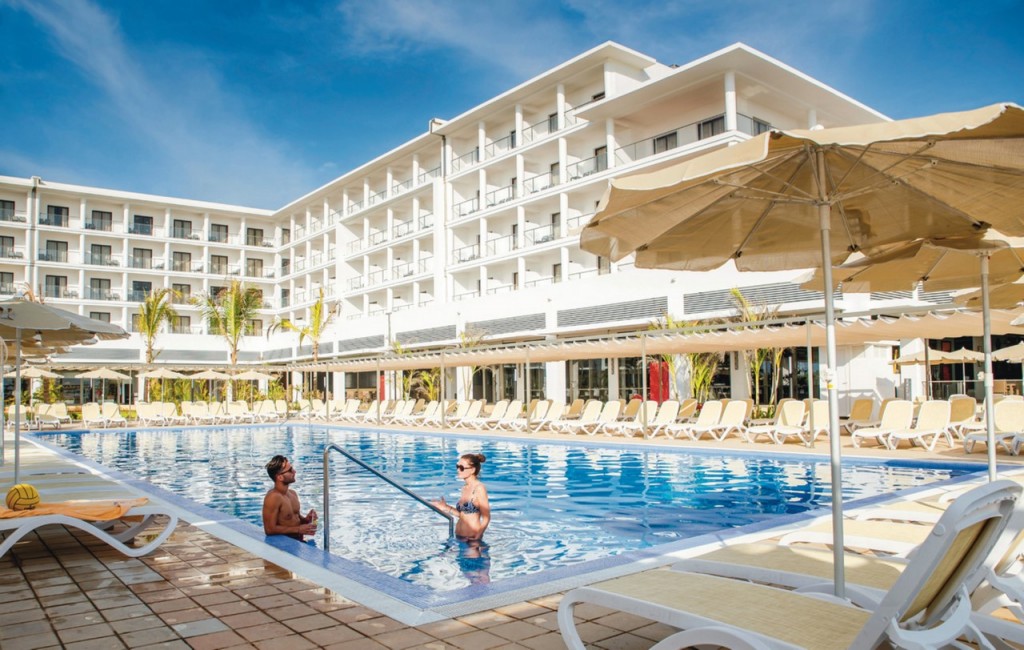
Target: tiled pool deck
[62, 589]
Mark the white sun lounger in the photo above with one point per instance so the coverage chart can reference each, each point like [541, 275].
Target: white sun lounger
[927, 606]
[898, 414]
[932, 422]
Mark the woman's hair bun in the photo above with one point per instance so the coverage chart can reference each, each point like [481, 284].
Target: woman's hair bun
[480, 459]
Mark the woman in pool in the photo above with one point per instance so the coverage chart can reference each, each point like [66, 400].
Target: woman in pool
[473, 509]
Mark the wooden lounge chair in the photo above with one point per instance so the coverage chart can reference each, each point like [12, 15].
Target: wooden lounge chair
[927, 606]
[932, 422]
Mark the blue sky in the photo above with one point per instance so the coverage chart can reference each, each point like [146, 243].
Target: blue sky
[256, 103]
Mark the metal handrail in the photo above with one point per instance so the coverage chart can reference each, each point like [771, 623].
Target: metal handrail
[327, 492]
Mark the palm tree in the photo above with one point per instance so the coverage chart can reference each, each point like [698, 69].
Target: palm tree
[321, 315]
[230, 313]
[154, 311]
[756, 359]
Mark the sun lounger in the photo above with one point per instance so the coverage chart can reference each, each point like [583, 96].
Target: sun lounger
[898, 415]
[539, 411]
[788, 413]
[497, 412]
[149, 414]
[932, 422]
[1007, 423]
[708, 418]
[464, 409]
[643, 417]
[86, 516]
[92, 415]
[963, 411]
[112, 414]
[608, 414]
[928, 605]
[512, 412]
[815, 423]
[667, 414]
[556, 409]
[860, 414]
[169, 412]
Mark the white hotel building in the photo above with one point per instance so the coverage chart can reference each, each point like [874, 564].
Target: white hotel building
[472, 226]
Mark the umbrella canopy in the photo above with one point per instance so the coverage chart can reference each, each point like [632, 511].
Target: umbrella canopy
[934, 358]
[34, 372]
[163, 373]
[1014, 353]
[209, 374]
[253, 375]
[34, 325]
[104, 373]
[862, 187]
[1004, 296]
[963, 355]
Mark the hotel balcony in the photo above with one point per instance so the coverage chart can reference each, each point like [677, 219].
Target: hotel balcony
[93, 293]
[146, 263]
[12, 252]
[11, 216]
[54, 220]
[52, 256]
[98, 259]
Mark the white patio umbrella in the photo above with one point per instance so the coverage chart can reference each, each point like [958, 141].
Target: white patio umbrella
[103, 374]
[253, 375]
[44, 328]
[1002, 296]
[942, 264]
[162, 374]
[862, 187]
[211, 376]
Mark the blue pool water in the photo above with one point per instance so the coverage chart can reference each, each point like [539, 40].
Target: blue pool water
[553, 505]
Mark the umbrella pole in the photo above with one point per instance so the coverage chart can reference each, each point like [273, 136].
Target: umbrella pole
[986, 317]
[441, 394]
[17, 406]
[927, 372]
[810, 362]
[835, 450]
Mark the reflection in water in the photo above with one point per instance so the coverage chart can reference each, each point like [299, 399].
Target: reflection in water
[474, 560]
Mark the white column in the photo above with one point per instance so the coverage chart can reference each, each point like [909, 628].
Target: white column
[482, 179]
[415, 169]
[520, 176]
[812, 118]
[389, 180]
[563, 259]
[730, 101]
[481, 139]
[563, 161]
[521, 270]
[520, 227]
[560, 105]
[609, 141]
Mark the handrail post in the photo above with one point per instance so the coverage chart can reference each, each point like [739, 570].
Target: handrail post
[327, 492]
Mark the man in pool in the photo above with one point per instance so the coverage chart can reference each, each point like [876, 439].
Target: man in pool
[281, 505]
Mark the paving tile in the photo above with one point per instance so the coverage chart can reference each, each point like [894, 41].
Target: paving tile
[32, 641]
[523, 610]
[168, 645]
[23, 628]
[122, 613]
[627, 641]
[228, 609]
[357, 644]
[265, 631]
[484, 620]
[225, 639]
[446, 628]
[331, 635]
[374, 626]
[271, 602]
[103, 643]
[516, 630]
[76, 620]
[352, 614]
[184, 615]
[216, 598]
[290, 612]
[200, 627]
[293, 642]
[117, 602]
[309, 623]
[247, 619]
[85, 632]
[548, 641]
[623, 621]
[591, 632]
[655, 631]
[478, 640]
[406, 638]
[67, 610]
[137, 623]
[172, 605]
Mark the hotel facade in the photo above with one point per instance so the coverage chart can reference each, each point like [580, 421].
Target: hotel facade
[468, 230]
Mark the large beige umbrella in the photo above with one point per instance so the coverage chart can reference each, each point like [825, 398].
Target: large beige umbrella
[862, 187]
[1013, 354]
[1003, 296]
[211, 376]
[939, 264]
[162, 374]
[34, 372]
[254, 375]
[103, 374]
[42, 327]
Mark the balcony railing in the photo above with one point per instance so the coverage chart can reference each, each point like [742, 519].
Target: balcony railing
[466, 208]
[589, 272]
[378, 237]
[138, 296]
[299, 265]
[466, 254]
[142, 229]
[539, 130]
[404, 228]
[100, 259]
[11, 252]
[53, 256]
[184, 233]
[354, 247]
[586, 167]
[541, 235]
[501, 195]
[580, 220]
[185, 329]
[406, 270]
[425, 220]
[57, 291]
[219, 237]
[540, 282]
[428, 175]
[377, 198]
[181, 298]
[95, 293]
[251, 240]
[146, 263]
[540, 182]
[465, 161]
[12, 216]
[685, 135]
[7, 289]
[56, 220]
[354, 284]
[354, 206]
[468, 295]
[375, 277]
[501, 288]
[501, 245]
[99, 226]
[500, 146]
[254, 271]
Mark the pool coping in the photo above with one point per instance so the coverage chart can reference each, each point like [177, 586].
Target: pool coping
[417, 605]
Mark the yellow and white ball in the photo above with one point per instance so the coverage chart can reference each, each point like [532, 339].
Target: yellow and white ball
[22, 497]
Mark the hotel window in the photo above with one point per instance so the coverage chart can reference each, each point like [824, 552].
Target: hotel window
[181, 262]
[216, 291]
[56, 251]
[600, 159]
[142, 225]
[254, 327]
[182, 293]
[286, 265]
[56, 215]
[7, 247]
[181, 229]
[136, 320]
[6, 283]
[254, 237]
[55, 286]
[515, 279]
[182, 325]
[515, 236]
[712, 127]
[556, 225]
[99, 289]
[140, 289]
[142, 258]
[218, 232]
[286, 295]
[6, 210]
[286, 235]
[512, 139]
[556, 272]
[760, 126]
[103, 316]
[665, 142]
[602, 265]
[555, 170]
[101, 220]
[99, 254]
[254, 268]
[553, 122]
[219, 264]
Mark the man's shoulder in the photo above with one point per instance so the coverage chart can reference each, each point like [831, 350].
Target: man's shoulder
[272, 495]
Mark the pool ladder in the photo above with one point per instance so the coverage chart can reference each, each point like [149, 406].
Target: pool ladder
[386, 479]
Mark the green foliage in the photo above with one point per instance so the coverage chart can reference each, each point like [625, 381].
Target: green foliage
[49, 392]
[275, 390]
[757, 359]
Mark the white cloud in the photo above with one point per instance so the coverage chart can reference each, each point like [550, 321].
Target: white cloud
[192, 137]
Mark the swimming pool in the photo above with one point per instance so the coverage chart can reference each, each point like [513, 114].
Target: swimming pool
[554, 505]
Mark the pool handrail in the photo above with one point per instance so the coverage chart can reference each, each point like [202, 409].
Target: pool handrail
[327, 492]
